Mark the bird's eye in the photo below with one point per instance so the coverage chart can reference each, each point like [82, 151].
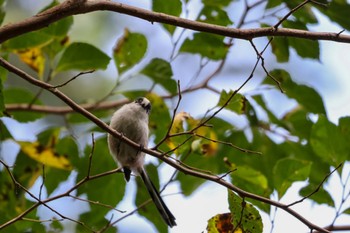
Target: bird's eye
[139, 100]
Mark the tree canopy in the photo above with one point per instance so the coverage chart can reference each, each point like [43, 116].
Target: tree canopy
[66, 68]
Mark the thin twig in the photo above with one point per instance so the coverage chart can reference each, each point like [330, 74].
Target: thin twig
[259, 55]
[73, 78]
[43, 183]
[228, 144]
[318, 187]
[96, 203]
[173, 117]
[291, 12]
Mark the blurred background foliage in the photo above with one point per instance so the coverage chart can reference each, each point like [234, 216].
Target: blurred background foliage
[267, 146]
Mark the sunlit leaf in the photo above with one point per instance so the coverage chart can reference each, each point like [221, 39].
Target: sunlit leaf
[82, 56]
[211, 46]
[129, 50]
[249, 179]
[244, 215]
[161, 73]
[289, 170]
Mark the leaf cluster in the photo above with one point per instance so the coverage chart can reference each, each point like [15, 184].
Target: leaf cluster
[266, 156]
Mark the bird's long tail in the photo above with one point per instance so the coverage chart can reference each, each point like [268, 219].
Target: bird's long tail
[158, 201]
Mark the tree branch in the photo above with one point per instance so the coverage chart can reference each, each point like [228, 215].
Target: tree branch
[69, 8]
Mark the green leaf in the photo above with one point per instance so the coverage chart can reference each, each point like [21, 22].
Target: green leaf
[215, 3]
[298, 123]
[320, 197]
[344, 127]
[304, 14]
[304, 48]
[236, 104]
[21, 96]
[82, 56]
[113, 185]
[207, 45]
[329, 143]
[159, 120]
[2, 10]
[2, 101]
[28, 40]
[149, 211]
[54, 177]
[280, 47]
[346, 211]
[250, 179]
[306, 96]
[214, 15]
[338, 12]
[244, 215]
[287, 171]
[161, 73]
[189, 184]
[220, 223]
[273, 3]
[170, 7]
[4, 132]
[130, 49]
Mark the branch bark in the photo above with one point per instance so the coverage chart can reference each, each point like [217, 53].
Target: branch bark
[70, 7]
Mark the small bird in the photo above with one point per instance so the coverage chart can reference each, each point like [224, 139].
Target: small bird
[131, 120]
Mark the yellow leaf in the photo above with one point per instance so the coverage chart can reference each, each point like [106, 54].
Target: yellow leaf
[178, 124]
[45, 155]
[222, 223]
[34, 58]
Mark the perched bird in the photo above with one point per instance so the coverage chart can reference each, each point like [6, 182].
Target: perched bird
[131, 120]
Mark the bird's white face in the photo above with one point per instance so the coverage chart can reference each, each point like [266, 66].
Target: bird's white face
[144, 103]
